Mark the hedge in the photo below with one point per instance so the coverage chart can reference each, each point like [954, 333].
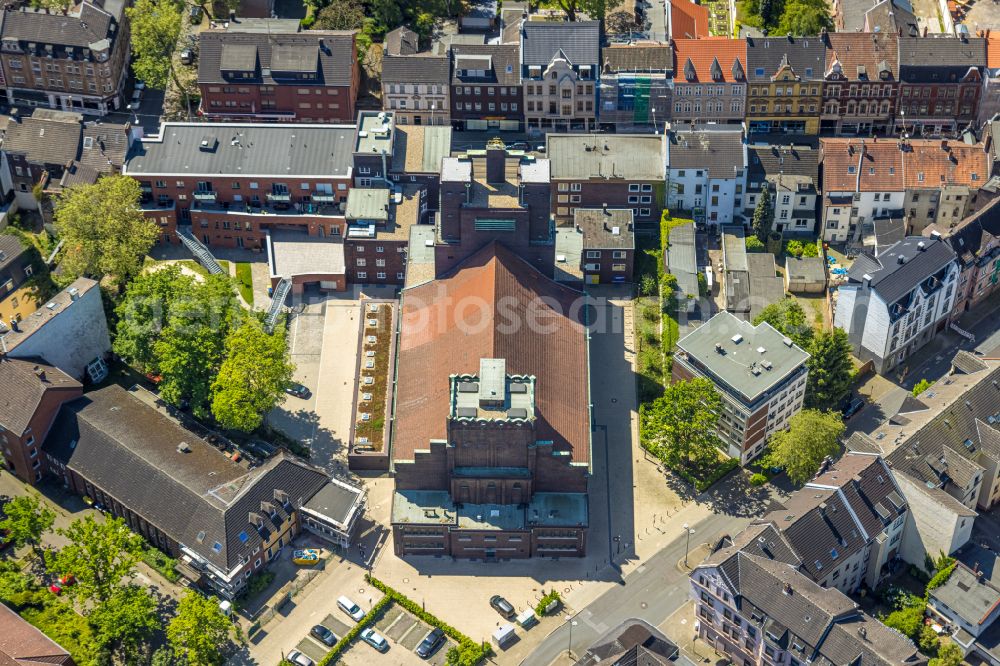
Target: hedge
[484, 650]
[349, 637]
[941, 577]
[553, 595]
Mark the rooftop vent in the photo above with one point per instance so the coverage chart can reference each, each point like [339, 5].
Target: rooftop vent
[921, 246]
[761, 350]
[719, 348]
[787, 341]
[737, 339]
[183, 447]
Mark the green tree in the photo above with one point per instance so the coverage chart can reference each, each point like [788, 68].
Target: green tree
[124, 624]
[907, 620]
[763, 215]
[788, 317]
[27, 520]
[387, 15]
[156, 26]
[920, 387]
[100, 554]
[804, 17]
[165, 656]
[679, 427]
[595, 9]
[948, 655]
[831, 371]
[812, 436]
[191, 348]
[103, 231]
[341, 15]
[252, 379]
[53, 6]
[199, 630]
[142, 313]
[928, 640]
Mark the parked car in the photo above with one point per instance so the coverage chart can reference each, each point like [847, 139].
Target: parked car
[324, 635]
[351, 608]
[432, 641]
[195, 14]
[502, 606]
[298, 390]
[375, 639]
[299, 659]
[853, 408]
[187, 57]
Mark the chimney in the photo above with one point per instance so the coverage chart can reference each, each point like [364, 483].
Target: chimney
[496, 159]
[40, 373]
[921, 247]
[788, 588]
[901, 260]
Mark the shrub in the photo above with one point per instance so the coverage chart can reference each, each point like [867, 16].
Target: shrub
[920, 387]
[758, 480]
[544, 602]
[928, 640]
[793, 248]
[810, 250]
[161, 562]
[908, 617]
[754, 244]
[941, 577]
[647, 285]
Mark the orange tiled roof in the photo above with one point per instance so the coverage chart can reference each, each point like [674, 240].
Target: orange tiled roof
[703, 51]
[993, 51]
[928, 164]
[688, 19]
[862, 165]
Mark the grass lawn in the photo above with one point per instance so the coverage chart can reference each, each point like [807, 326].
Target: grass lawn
[244, 280]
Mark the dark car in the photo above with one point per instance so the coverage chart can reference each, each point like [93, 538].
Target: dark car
[502, 606]
[298, 390]
[324, 635]
[187, 57]
[432, 641]
[853, 408]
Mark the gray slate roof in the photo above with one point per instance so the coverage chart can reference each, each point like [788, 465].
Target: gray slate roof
[199, 498]
[262, 149]
[86, 28]
[627, 156]
[806, 55]
[782, 159]
[416, 69]
[941, 51]
[23, 389]
[717, 149]
[893, 280]
[401, 41]
[503, 57]
[104, 146]
[46, 137]
[331, 54]
[579, 40]
[10, 249]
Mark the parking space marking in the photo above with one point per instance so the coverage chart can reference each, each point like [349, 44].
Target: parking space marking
[411, 639]
[336, 626]
[311, 649]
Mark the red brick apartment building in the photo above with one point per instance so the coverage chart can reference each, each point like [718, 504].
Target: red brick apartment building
[278, 74]
[229, 183]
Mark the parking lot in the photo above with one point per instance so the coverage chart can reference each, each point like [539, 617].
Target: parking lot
[312, 647]
[404, 633]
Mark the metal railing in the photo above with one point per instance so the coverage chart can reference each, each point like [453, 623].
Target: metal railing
[200, 252]
[277, 302]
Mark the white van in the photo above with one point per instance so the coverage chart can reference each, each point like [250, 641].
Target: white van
[351, 608]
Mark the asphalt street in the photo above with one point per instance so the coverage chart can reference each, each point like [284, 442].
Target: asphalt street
[652, 593]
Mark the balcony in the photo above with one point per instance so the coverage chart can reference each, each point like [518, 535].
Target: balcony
[149, 204]
[280, 197]
[204, 195]
[323, 197]
[243, 208]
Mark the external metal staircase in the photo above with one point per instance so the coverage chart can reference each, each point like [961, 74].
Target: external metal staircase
[277, 302]
[965, 334]
[200, 252]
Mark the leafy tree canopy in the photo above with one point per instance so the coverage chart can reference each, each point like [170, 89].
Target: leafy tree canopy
[124, 624]
[100, 555]
[156, 26]
[142, 314]
[788, 317]
[199, 630]
[831, 371]
[679, 427]
[812, 436]
[27, 519]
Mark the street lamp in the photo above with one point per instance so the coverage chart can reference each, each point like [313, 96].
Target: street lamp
[654, 119]
[569, 645]
[687, 541]
[433, 107]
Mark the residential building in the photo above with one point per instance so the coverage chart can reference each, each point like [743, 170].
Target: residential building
[416, 88]
[70, 332]
[500, 196]
[754, 605]
[942, 179]
[890, 17]
[378, 232]
[784, 84]
[862, 83]
[862, 180]
[846, 525]
[686, 20]
[790, 172]
[941, 78]
[989, 98]
[976, 243]
[280, 74]
[560, 70]
[223, 520]
[967, 600]
[751, 278]
[707, 172]
[607, 244]
[22, 643]
[634, 641]
[17, 266]
[417, 151]
[891, 306]
[401, 42]
[710, 81]
[759, 373]
[228, 183]
[75, 60]
[33, 393]
[850, 15]
[491, 447]
[636, 87]
[613, 170]
[486, 92]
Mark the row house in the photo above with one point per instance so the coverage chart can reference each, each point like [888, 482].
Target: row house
[607, 170]
[989, 98]
[710, 82]
[378, 232]
[862, 181]
[75, 60]
[941, 79]
[861, 83]
[486, 89]
[942, 180]
[228, 183]
[415, 88]
[790, 172]
[784, 84]
[893, 305]
[759, 373]
[560, 70]
[17, 266]
[707, 172]
[291, 76]
[976, 243]
[635, 89]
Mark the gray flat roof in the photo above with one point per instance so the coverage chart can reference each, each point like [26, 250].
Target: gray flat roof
[734, 363]
[434, 507]
[569, 250]
[243, 149]
[966, 596]
[367, 204]
[336, 500]
[564, 509]
[682, 259]
[734, 247]
[632, 157]
[420, 267]
[296, 253]
[375, 134]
